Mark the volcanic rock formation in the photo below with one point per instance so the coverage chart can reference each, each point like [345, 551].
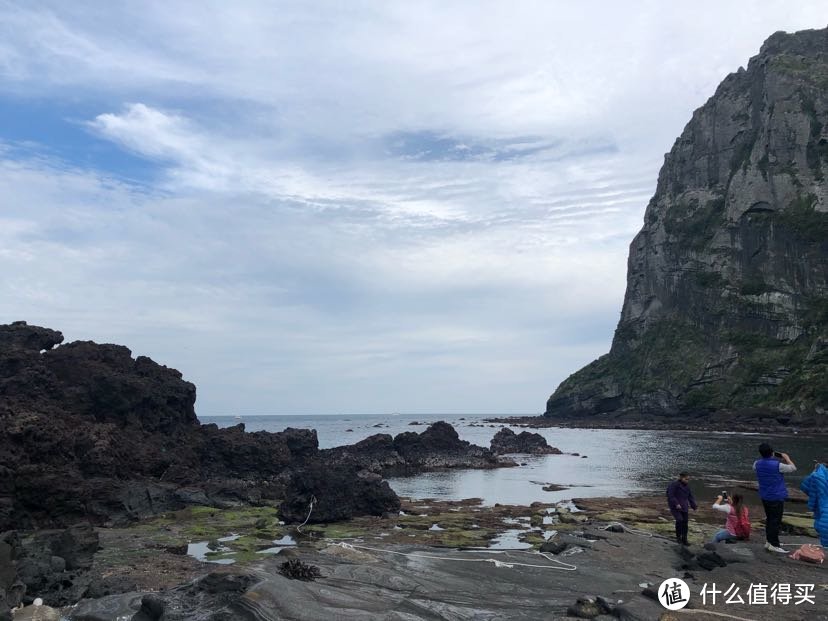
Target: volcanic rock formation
[507, 441]
[726, 308]
[87, 432]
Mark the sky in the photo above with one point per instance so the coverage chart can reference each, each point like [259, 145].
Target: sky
[361, 207]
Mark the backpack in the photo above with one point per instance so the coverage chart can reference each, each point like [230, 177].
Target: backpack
[742, 527]
[809, 553]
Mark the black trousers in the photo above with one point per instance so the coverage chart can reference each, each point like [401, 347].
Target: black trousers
[682, 525]
[773, 520]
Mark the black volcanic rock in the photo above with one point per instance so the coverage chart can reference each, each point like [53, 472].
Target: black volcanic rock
[54, 563]
[318, 493]
[11, 589]
[437, 448]
[21, 336]
[507, 441]
[726, 308]
[87, 433]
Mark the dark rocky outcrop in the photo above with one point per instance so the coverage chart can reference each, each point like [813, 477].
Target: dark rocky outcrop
[319, 493]
[437, 448]
[90, 434]
[87, 432]
[726, 308]
[216, 596]
[51, 563]
[507, 441]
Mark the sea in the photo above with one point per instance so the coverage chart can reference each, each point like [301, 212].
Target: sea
[611, 462]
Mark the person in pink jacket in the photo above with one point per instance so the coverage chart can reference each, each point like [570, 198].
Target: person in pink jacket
[737, 525]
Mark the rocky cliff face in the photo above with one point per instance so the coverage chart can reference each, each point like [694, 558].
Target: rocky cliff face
[726, 308]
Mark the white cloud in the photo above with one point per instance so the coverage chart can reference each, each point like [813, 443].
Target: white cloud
[361, 207]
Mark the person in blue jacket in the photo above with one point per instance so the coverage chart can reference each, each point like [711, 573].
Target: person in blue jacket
[815, 486]
[680, 499]
[770, 471]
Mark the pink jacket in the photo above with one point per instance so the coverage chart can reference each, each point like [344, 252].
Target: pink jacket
[732, 518]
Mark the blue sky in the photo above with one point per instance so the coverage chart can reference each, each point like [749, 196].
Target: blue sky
[347, 208]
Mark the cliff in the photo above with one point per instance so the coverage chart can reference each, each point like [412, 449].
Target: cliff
[726, 307]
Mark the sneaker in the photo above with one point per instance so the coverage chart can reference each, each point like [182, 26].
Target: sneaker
[772, 548]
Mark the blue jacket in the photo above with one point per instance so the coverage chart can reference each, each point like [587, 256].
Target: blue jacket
[679, 495]
[771, 481]
[816, 486]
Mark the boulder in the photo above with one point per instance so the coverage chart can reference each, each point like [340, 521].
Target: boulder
[319, 494]
[152, 609]
[507, 441]
[76, 547]
[555, 546]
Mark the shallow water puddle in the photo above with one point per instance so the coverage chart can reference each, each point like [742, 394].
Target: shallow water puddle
[278, 545]
[509, 541]
[200, 550]
[287, 540]
[273, 550]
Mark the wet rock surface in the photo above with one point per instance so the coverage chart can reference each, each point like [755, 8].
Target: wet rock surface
[367, 577]
[413, 582]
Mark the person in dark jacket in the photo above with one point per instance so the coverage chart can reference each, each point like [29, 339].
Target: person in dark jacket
[680, 499]
[773, 491]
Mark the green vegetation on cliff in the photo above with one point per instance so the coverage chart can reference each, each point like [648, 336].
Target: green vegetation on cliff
[726, 306]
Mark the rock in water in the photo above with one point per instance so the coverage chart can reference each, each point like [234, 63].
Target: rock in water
[507, 441]
[726, 308]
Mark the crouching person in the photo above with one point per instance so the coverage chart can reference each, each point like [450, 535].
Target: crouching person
[737, 525]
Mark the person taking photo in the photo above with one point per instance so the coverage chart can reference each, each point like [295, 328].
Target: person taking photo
[770, 470]
[737, 526]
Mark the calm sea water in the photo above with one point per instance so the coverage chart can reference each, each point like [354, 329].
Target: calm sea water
[618, 462]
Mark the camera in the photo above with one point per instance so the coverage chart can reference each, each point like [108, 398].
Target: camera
[777, 454]
[724, 495]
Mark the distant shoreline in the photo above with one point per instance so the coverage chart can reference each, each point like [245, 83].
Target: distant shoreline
[690, 425]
